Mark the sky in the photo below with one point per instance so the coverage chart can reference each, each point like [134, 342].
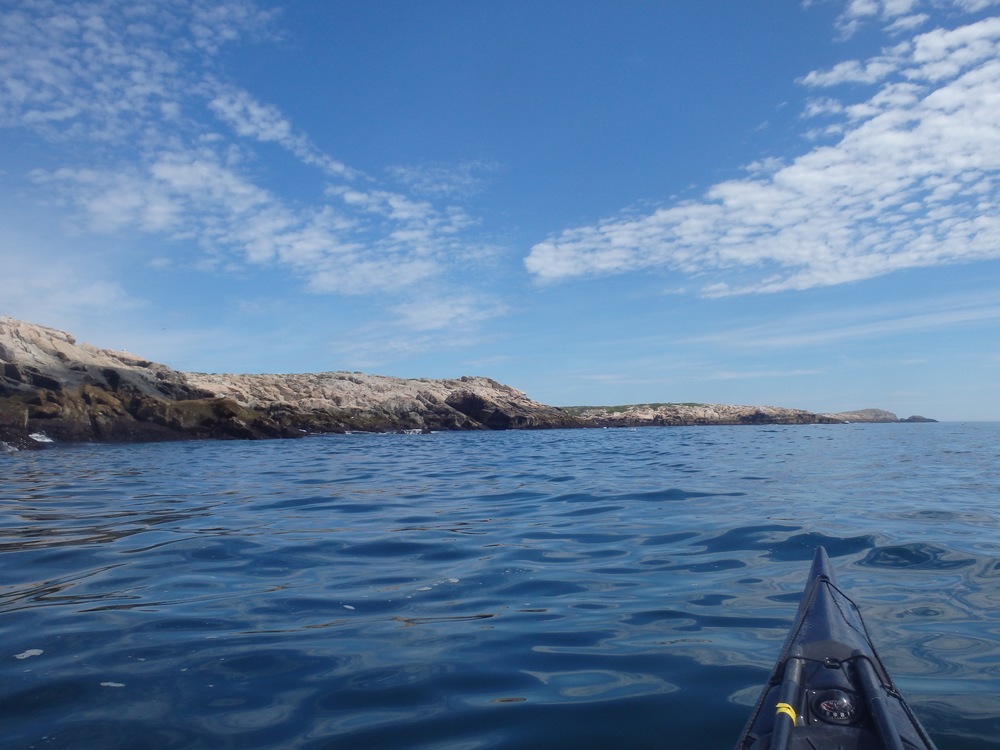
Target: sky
[780, 202]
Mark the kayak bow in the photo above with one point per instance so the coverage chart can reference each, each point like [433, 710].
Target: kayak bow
[829, 689]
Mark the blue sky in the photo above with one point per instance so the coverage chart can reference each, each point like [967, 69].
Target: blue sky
[771, 202]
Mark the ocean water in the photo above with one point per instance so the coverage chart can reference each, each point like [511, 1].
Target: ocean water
[622, 589]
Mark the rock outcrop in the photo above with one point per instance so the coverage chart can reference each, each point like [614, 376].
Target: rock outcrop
[696, 414]
[352, 401]
[864, 415]
[53, 388]
[50, 385]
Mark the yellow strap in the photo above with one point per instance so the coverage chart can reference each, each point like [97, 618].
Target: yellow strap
[784, 708]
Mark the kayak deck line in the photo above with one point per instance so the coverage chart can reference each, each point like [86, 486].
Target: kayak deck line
[829, 689]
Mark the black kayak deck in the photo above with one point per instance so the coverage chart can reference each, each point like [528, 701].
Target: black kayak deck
[829, 690]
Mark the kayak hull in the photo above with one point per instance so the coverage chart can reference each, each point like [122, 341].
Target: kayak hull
[829, 690]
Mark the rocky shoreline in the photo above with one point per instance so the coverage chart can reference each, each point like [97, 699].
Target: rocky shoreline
[54, 389]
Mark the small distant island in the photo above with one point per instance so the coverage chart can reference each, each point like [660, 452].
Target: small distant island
[54, 389]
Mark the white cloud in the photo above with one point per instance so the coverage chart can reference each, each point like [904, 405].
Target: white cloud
[855, 71]
[975, 6]
[461, 180]
[897, 15]
[761, 374]
[910, 182]
[432, 320]
[192, 195]
[137, 84]
[447, 312]
[215, 23]
[824, 329]
[253, 119]
[908, 23]
[106, 70]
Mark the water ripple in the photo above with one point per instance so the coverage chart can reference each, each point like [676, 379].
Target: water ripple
[580, 589]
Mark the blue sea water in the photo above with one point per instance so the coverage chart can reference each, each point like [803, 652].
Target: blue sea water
[623, 589]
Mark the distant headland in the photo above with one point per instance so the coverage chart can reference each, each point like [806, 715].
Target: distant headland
[54, 389]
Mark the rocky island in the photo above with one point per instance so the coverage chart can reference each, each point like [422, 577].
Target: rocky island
[54, 389]
[637, 415]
